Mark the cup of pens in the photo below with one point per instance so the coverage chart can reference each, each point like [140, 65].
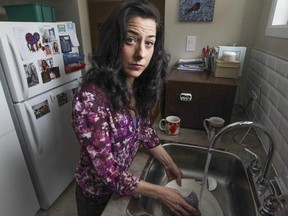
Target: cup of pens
[209, 59]
[205, 56]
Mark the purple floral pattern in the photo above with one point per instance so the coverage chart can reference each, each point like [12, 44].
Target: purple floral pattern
[108, 143]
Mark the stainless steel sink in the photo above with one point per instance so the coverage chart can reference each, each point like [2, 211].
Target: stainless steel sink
[233, 192]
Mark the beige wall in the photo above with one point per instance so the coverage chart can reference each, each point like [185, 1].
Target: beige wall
[275, 46]
[233, 22]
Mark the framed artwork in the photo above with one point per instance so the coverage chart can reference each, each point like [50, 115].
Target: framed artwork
[196, 10]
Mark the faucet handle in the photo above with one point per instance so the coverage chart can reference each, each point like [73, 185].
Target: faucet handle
[254, 166]
[270, 206]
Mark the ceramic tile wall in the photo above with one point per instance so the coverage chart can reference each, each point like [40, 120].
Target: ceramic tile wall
[268, 77]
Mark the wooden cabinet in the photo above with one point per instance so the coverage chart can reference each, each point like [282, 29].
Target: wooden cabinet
[211, 96]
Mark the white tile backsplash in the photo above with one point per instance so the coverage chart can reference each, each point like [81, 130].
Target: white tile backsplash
[265, 87]
[273, 96]
[284, 150]
[271, 62]
[282, 86]
[283, 107]
[278, 162]
[273, 78]
[265, 104]
[268, 77]
[281, 68]
[283, 129]
[275, 117]
[259, 56]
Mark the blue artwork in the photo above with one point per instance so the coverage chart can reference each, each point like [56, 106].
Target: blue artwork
[196, 10]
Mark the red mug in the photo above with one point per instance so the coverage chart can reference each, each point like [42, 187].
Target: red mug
[171, 125]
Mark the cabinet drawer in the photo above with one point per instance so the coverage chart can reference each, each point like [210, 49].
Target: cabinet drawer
[208, 99]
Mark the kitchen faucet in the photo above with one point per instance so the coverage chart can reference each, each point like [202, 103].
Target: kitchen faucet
[262, 182]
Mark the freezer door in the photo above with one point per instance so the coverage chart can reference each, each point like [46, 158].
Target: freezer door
[17, 195]
[31, 62]
[52, 145]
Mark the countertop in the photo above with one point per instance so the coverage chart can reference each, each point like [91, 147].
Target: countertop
[118, 204]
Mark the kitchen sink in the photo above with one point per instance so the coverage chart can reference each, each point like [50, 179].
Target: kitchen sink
[233, 192]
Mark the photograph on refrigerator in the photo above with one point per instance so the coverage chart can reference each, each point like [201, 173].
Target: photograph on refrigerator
[48, 49]
[45, 35]
[66, 44]
[62, 98]
[74, 91]
[31, 74]
[48, 34]
[54, 73]
[52, 36]
[49, 40]
[41, 109]
[48, 72]
[61, 28]
[55, 47]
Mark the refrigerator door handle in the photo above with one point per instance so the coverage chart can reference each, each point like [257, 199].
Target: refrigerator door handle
[20, 69]
[34, 127]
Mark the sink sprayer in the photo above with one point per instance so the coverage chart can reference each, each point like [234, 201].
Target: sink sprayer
[270, 205]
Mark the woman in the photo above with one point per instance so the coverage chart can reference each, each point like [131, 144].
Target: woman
[111, 111]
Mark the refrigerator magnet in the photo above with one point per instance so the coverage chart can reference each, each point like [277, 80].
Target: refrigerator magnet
[61, 28]
[45, 66]
[55, 47]
[31, 74]
[54, 72]
[41, 109]
[62, 98]
[65, 42]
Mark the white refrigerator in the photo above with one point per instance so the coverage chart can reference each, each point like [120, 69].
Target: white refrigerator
[39, 88]
[17, 195]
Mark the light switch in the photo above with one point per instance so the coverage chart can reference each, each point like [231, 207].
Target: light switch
[190, 43]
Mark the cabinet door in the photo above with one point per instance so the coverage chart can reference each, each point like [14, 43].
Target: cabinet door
[207, 100]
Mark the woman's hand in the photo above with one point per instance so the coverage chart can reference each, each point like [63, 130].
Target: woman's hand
[173, 172]
[174, 203]
[171, 169]
[169, 198]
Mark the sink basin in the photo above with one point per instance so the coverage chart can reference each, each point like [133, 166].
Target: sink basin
[233, 192]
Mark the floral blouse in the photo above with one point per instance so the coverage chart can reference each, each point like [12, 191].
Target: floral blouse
[108, 143]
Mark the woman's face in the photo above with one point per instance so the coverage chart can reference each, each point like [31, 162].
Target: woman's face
[138, 46]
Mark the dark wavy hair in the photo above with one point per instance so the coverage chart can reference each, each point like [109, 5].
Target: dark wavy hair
[107, 66]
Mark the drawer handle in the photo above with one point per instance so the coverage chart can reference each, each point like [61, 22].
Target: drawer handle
[185, 97]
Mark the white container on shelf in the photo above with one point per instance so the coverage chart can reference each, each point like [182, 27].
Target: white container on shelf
[229, 56]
